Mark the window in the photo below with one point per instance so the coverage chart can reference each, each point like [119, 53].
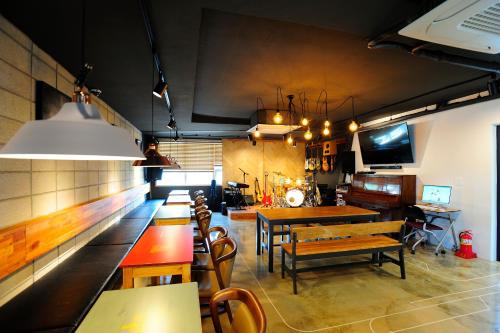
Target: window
[200, 161]
[185, 178]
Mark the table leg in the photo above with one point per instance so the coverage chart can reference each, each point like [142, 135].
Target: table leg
[128, 278]
[155, 280]
[450, 228]
[270, 246]
[186, 273]
[258, 235]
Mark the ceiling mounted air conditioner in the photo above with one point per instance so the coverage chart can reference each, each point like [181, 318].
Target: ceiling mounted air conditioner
[466, 24]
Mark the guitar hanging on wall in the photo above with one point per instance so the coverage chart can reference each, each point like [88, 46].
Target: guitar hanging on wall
[325, 166]
[329, 154]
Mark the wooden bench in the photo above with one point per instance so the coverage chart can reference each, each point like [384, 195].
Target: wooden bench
[58, 301]
[309, 243]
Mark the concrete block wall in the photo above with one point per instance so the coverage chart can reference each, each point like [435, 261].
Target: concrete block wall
[31, 188]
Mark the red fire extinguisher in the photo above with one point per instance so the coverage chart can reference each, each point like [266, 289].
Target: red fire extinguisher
[465, 250]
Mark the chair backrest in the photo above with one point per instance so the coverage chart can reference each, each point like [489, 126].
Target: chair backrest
[204, 218]
[226, 249]
[344, 230]
[200, 208]
[413, 214]
[249, 316]
[215, 233]
[200, 199]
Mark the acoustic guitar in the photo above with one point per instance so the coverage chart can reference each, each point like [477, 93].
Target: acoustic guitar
[258, 193]
[317, 162]
[325, 166]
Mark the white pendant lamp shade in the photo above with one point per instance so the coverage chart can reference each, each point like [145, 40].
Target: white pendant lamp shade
[76, 132]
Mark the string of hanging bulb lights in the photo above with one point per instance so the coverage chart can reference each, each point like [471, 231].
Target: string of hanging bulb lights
[290, 105]
[305, 122]
[353, 126]
[304, 106]
[278, 118]
[256, 134]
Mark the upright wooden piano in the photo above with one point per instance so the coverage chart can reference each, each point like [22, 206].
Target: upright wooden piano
[387, 194]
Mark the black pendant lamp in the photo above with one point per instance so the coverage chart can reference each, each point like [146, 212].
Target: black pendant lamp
[153, 157]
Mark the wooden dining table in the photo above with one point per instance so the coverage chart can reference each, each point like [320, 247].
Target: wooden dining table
[179, 200]
[304, 215]
[160, 309]
[161, 251]
[173, 215]
[179, 192]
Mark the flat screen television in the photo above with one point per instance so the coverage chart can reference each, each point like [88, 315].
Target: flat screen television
[386, 145]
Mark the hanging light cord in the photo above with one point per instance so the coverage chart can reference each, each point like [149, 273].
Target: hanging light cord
[342, 104]
[84, 16]
[325, 101]
[302, 102]
[261, 103]
[152, 101]
[279, 92]
[352, 105]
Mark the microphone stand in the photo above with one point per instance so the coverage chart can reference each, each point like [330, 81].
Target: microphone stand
[244, 179]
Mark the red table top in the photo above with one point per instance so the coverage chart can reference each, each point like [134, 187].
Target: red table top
[162, 245]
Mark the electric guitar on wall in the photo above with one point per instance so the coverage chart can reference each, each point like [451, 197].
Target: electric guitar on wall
[258, 193]
[266, 199]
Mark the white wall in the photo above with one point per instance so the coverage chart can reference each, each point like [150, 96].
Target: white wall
[458, 148]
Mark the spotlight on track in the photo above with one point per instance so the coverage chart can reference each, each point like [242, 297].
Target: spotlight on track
[160, 88]
[171, 123]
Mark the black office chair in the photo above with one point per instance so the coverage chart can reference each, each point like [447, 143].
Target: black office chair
[417, 223]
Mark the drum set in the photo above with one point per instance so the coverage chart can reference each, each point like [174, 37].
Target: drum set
[295, 192]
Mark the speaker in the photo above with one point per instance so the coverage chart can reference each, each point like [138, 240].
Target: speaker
[380, 167]
[347, 161]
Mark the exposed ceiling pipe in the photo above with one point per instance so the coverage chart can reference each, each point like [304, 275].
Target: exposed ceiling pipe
[374, 44]
[488, 66]
[439, 56]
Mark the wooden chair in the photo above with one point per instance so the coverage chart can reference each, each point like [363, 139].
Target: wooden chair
[194, 212]
[200, 208]
[249, 317]
[200, 201]
[204, 219]
[204, 261]
[211, 281]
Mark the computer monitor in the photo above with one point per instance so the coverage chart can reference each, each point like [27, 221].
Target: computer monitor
[435, 194]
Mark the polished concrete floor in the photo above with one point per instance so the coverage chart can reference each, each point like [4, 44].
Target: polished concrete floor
[440, 294]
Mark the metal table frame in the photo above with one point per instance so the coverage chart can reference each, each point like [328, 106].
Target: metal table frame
[304, 220]
[445, 214]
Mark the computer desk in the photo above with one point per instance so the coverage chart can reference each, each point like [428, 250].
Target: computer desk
[444, 213]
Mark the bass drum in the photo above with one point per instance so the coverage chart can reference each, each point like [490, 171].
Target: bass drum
[294, 197]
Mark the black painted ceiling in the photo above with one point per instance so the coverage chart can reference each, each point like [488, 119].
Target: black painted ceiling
[220, 55]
